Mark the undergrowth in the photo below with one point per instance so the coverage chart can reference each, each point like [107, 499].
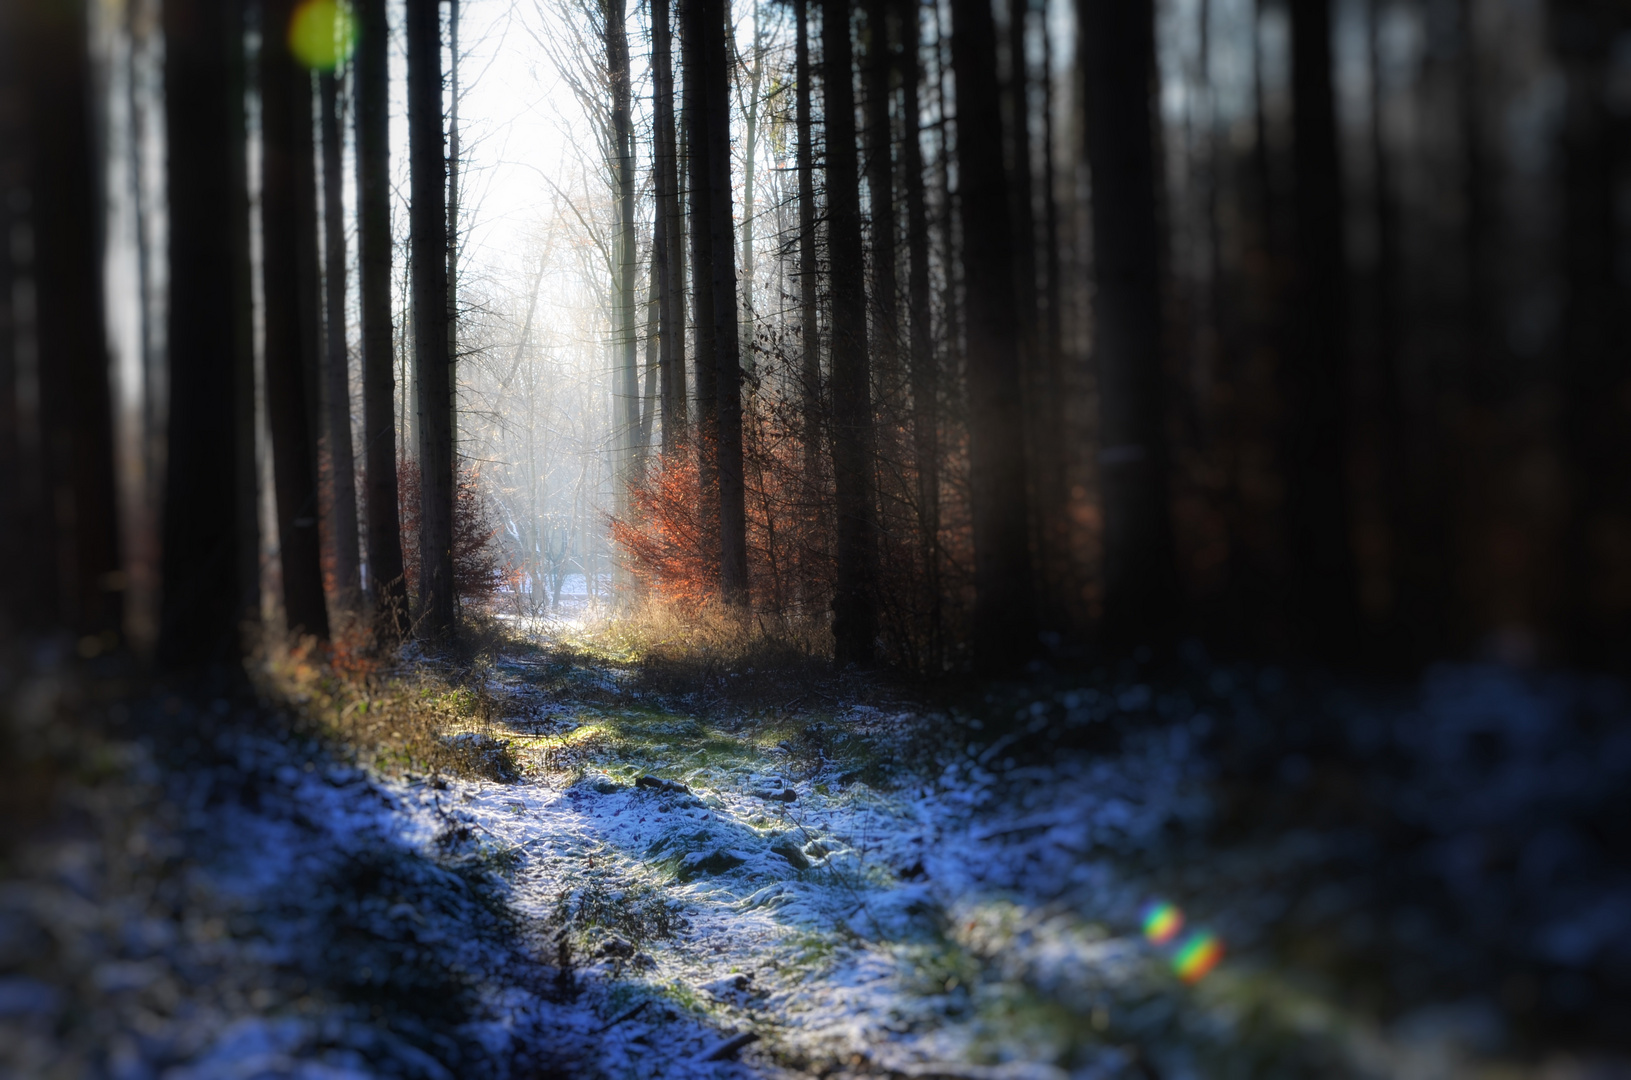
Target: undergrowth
[398, 712]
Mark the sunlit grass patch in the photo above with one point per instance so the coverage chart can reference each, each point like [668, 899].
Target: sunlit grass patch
[423, 717]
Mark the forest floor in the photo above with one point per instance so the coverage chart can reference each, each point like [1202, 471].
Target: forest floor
[637, 871]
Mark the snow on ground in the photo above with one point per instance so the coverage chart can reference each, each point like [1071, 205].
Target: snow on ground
[677, 892]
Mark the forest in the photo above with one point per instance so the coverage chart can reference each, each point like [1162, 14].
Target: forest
[907, 538]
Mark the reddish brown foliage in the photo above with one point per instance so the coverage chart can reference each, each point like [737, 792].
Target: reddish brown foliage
[477, 569]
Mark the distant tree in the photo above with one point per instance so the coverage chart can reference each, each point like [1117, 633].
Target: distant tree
[289, 231]
[1004, 605]
[625, 346]
[432, 363]
[855, 603]
[876, 68]
[1140, 576]
[204, 601]
[385, 570]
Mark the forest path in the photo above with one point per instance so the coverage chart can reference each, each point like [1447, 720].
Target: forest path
[855, 902]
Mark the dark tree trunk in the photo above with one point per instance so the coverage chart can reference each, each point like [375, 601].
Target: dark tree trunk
[1053, 474]
[627, 419]
[1140, 580]
[924, 372]
[289, 228]
[809, 311]
[79, 529]
[385, 574]
[733, 553]
[204, 603]
[880, 176]
[453, 231]
[19, 491]
[696, 119]
[336, 356]
[671, 255]
[432, 365]
[1004, 605]
[1596, 376]
[1315, 457]
[855, 604]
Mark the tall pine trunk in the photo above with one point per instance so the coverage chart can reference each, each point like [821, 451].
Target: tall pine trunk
[855, 604]
[204, 602]
[733, 554]
[336, 355]
[432, 363]
[809, 310]
[627, 420]
[289, 230]
[924, 371]
[671, 264]
[1315, 454]
[385, 572]
[1140, 578]
[696, 120]
[880, 176]
[1004, 604]
[62, 183]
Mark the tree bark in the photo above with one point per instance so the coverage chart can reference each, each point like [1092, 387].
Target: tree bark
[288, 214]
[432, 364]
[63, 185]
[880, 176]
[1004, 605]
[809, 310]
[1323, 573]
[733, 553]
[1140, 580]
[627, 420]
[855, 603]
[336, 355]
[385, 572]
[203, 602]
[671, 265]
[696, 119]
[924, 372]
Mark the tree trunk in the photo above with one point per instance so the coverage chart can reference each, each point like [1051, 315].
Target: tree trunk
[855, 604]
[1323, 574]
[1140, 583]
[924, 372]
[1004, 606]
[809, 311]
[432, 364]
[627, 419]
[750, 145]
[453, 232]
[671, 254]
[203, 602]
[733, 553]
[337, 360]
[385, 574]
[696, 119]
[1596, 375]
[62, 182]
[288, 211]
[880, 175]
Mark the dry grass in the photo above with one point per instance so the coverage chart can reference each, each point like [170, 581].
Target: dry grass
[400, 715]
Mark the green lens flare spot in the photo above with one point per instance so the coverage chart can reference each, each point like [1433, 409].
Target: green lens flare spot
[1198, 955]
[322, 34]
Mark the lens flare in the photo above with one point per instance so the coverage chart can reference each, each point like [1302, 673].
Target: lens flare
[1162, 921]
[322, 34]
[1200, 954]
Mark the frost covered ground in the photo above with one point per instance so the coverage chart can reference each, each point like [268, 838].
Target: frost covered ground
[685, 885]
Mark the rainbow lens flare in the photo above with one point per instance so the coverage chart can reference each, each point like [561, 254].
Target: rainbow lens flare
[322, 34]
[1199, 955]
[1162, 921]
